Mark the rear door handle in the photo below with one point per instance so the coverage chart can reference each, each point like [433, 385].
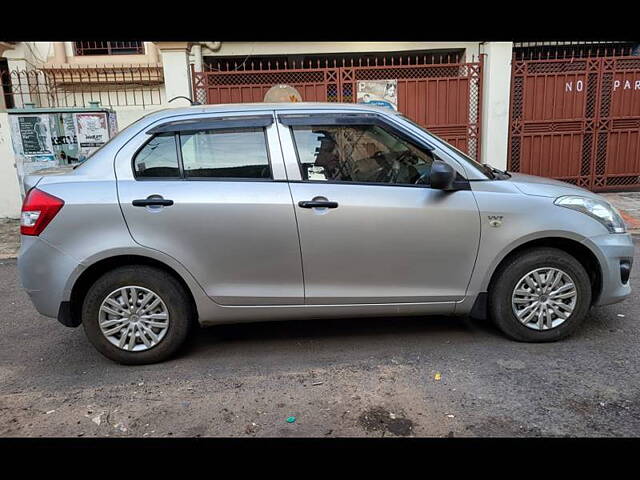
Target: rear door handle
[152, 202]
[318, 204]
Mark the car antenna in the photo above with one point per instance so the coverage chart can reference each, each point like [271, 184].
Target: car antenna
[186, 98]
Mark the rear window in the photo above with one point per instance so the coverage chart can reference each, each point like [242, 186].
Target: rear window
[234, 153]
[158, 158]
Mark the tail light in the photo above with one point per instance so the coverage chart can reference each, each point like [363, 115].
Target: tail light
[38, 209]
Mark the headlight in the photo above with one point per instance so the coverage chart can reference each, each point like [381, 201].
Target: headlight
[601, 210]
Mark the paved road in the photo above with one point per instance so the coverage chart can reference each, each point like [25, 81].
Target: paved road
[372, 377]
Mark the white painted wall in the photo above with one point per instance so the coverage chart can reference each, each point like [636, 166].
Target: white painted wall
[177, 76]
[28, 54]
[293, 48]
[10, 198]
[127, 115]
[496, 87]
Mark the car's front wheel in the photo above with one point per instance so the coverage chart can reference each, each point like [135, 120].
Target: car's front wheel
[540, 295]
[137, 315]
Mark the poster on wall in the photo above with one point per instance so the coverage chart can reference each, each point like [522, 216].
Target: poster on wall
[31, 139]
[383, 93]
[92, 129]
[64, 138]
[35, 134]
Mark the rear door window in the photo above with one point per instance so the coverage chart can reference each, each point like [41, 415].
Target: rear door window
[229, 153]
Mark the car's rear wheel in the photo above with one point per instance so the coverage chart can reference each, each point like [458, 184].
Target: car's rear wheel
[137, 315]
[540, 295]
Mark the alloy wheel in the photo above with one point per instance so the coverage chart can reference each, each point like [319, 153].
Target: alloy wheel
[133, 318]
[544, 298]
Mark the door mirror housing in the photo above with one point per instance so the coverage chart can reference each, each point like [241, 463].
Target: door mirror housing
[442, 175]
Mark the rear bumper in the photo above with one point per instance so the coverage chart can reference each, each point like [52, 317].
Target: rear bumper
[615, 254]
[44, 272]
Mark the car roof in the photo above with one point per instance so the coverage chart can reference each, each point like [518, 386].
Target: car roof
[238, 107]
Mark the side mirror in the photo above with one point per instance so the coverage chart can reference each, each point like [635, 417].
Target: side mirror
[442, 175]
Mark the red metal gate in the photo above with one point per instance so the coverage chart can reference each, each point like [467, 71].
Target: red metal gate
[443, 97]
[577, 120]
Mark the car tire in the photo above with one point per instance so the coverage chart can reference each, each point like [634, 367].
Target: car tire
[504, 300]
[174, 304]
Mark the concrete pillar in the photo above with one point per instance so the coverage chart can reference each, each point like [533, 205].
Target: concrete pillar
[496, 88]
[196, 52]
[152, 52]
[471, 53]
[59, 53]
[177, 74]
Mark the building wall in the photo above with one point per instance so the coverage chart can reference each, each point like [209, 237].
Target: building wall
[151, 55]
[175, 59]
[28, 62]
[10, 199]
[127, 115]
[293, 48]
[35, 54]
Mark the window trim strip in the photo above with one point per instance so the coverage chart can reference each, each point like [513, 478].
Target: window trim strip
[258, 121]
[176, 135]
[294, 120]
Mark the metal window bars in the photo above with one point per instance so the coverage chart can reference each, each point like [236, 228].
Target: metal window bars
[108, 48]
[557, 50]
[73, 86]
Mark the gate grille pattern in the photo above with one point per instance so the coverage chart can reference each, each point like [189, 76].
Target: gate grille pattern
[445, 98]
[577, 120]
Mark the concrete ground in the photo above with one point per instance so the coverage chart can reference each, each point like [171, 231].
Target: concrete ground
[9, 237]
[434, 376]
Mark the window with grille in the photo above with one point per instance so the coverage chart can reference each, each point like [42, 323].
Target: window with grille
[109, 48]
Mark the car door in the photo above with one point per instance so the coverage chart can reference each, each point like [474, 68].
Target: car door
[210, 192]
[368, 232]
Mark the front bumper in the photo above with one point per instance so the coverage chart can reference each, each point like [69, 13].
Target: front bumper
[615, 255]
[44, 272]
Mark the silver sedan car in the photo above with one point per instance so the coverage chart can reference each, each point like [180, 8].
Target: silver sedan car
[253, 212]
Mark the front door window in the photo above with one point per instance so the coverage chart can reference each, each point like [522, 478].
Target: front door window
[361, 154]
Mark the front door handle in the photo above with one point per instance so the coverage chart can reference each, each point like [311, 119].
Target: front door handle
[152, 201]
[318, 204]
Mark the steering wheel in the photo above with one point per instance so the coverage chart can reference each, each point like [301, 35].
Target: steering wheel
[400, 165]
[403, 155]
[421, 179]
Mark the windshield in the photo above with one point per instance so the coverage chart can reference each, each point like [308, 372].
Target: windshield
[484, 169]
